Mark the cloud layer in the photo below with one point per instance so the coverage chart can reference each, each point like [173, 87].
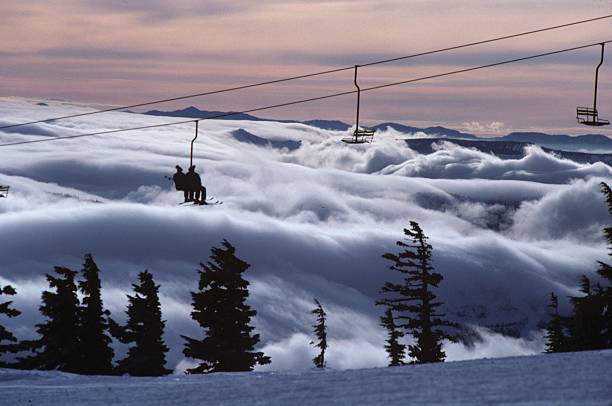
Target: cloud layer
[313, 222]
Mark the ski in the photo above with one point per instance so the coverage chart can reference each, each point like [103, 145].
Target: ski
[213, 201]
[209, 202]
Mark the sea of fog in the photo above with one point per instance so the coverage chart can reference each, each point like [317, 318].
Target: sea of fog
[311, 214]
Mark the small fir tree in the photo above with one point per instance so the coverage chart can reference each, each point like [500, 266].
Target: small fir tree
[144, 329]
[320, 331]
[58, 346]
[590, 325]
[395, 350]
[586, 323]
[605, 271]
[555, 337]
[96, 352]
[219, 307]
[8, 342]
[413, 301]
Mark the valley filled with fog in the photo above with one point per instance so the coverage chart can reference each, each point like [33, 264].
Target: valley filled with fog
[311, 214]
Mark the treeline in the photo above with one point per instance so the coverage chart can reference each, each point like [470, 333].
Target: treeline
[589, 326]
[77, 334]
[411, 307]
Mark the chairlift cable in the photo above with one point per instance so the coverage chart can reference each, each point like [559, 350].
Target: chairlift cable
[329, 96]
[308, 75]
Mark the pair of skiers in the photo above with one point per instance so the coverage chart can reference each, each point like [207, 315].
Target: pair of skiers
[191, 185]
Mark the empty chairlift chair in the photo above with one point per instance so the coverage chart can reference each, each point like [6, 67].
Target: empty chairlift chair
[360, 135]
[4, 190]
[587, 115]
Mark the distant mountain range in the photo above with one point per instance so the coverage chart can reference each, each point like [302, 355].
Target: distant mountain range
[588, 142]
[194, 112]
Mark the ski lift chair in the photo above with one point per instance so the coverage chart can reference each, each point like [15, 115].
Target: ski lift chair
[360, 135]
[587, 115]
[4, 190]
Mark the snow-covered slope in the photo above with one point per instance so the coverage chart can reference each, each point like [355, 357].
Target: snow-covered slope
[556, 379]
[311, 214]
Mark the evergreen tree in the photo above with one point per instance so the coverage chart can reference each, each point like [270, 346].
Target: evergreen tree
[144, 329]
[555, 337]
[586, 323]
[590, 325]
[219, 307]
[96, 353]
[320, 331]
[413, 301]
[396, 351]
[8, 341]
[605, 271]
[58, 346]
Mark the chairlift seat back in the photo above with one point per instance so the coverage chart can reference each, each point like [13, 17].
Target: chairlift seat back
[589, 116]
[360, 136]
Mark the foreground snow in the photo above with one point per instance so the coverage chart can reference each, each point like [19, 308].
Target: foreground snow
[573, 378]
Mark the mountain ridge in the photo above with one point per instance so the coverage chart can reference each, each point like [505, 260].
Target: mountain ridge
[556, 141]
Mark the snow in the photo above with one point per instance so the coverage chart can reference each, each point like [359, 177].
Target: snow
[311, 214]
[569, 379]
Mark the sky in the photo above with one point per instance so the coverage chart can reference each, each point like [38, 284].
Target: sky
[117, 52]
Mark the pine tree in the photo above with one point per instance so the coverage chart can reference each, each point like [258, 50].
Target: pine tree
[58, 346]
[605, 271]
[590, 325]
[219, 307]
[7, 340]
[396, 351]
[96, 353]
[555, 336]
[144, 329]
[320, 331]
[586, 323]
[413, 301]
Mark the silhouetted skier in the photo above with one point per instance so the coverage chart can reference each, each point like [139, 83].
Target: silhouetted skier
[196, 191]
[180, 182]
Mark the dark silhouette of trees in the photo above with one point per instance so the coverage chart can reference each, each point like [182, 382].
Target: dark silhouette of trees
[219, 307]
[590, 325]
[395, 350]
[605, 271]
[96, 352]
[58, 346]
[320, 331]
[556, 341]
[586, 322]
[73, 338]
[7, 340]
[413, 301]
[144, 329]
